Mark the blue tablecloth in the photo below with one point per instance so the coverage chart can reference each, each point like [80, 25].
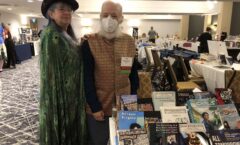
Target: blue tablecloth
[23, 52]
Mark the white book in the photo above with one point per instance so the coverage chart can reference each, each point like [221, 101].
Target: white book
[192, 127]
[163, 98]
[112, 130]
[174, 114]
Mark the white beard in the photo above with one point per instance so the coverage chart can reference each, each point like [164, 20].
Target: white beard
[117, 33]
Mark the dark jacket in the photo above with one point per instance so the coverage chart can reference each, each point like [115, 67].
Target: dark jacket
[203, 38]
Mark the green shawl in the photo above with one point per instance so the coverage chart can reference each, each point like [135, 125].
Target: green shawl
[62, 101]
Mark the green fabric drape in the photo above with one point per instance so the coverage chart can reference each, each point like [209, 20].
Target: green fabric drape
[62, 102]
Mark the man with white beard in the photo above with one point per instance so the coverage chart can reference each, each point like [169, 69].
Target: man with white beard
[109, 71]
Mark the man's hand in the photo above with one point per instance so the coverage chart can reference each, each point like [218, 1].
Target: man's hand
[99, 116]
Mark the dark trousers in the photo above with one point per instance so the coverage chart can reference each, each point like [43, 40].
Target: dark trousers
[152, 40]
[11, 57]
[98, 131]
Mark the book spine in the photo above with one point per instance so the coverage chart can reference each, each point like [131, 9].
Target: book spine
[190, 113]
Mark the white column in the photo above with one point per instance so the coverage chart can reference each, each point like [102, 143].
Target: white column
[225, 17]
[184, 26]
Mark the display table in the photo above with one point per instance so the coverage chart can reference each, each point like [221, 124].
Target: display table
[23, 52]
[213, 76]
[36, 47]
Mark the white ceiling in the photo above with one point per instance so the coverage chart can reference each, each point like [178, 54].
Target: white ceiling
[144, 9]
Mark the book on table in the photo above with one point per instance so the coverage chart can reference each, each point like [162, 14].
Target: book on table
[133, 137]
[130, 120]
[205, 111]
[163, 133]
[176, 114]
[129, 102]
[163, 98]
[229, 116]
[194, 134]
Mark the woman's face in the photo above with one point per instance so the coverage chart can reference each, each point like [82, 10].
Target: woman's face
[62, 15]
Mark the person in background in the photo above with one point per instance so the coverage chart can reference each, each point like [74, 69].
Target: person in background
[10, 46]
[110, 70]
[62, 102]
[152, 35]
[203, 38]
[223, 36]
[1, 47]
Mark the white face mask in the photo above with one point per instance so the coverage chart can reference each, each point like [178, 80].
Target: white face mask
[109, 24]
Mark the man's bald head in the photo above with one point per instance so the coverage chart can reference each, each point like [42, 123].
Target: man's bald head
[113, 9]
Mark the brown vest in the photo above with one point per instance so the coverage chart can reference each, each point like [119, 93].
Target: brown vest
[109, 81]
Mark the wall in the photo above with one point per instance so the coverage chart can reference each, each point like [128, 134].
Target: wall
[163, 27]
[13, 20]
[235, 24]
[196, 24]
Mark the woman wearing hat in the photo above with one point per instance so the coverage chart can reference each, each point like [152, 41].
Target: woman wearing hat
[62, 104]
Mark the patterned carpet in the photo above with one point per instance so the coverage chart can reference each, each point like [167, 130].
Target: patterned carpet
[19, 94]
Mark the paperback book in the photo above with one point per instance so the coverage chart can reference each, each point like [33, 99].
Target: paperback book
[145, 104]
[130, 120]
[183, 97]
[163, 133]
[229, 116]
[163, 98]
[133, 137]
[225, 137]
[205, 111]
[129, 102]
[177, 114]
[194, 134]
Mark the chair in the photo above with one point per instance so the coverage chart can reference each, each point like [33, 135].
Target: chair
[150, 63]
[156, 59]
[180, 86]
[186, 76]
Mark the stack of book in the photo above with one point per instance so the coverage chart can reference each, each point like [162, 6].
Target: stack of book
[170, 118]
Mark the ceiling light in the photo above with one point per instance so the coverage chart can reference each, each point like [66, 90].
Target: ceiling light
[40, 0]
[9, 9]
[30, 1]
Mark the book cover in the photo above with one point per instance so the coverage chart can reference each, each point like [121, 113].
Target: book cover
[224, 96]
[112, 131]
[203, 95]
[183, 97]
[130, 120]
[145, 104]
[205, 111]
[194, 134]
[163, 98]
[129, 102]
[177, 114]
[237, 105]
[163, 134]
[229, 116]
[225, 137]
[133, 137]
[152, 117]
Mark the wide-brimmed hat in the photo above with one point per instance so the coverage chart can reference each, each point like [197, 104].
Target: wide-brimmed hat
[47, 3]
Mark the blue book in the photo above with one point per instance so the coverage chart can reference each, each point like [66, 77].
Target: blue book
[130, 120]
